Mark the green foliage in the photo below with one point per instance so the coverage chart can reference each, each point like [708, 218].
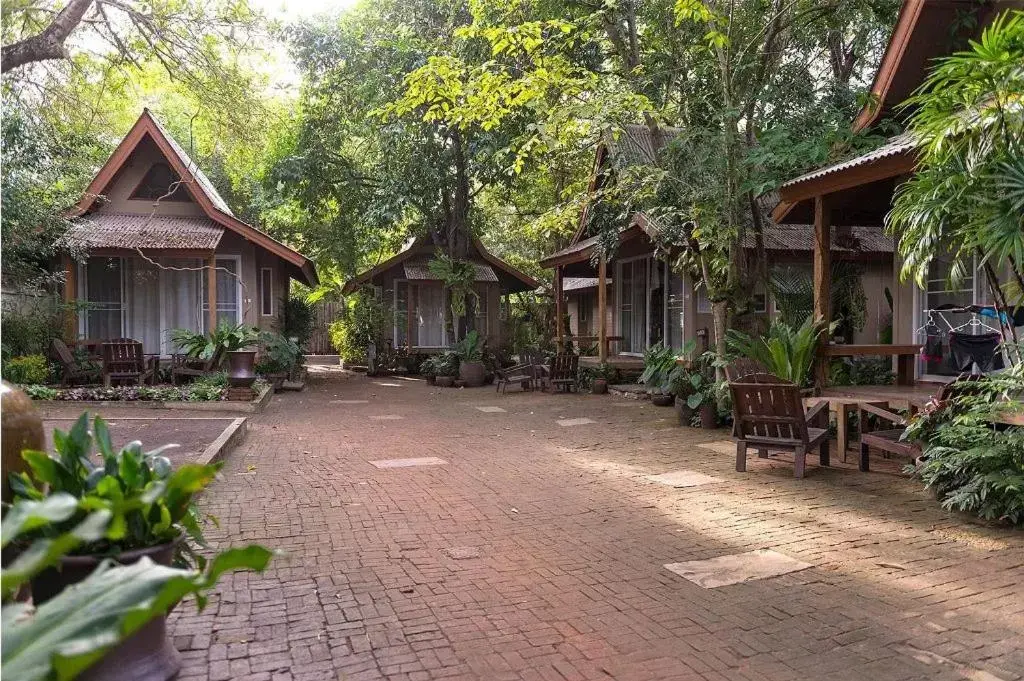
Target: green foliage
[458, 276]
[971, 465]
[226, 336]
[364, 320]
[278, 354]
[660, 364]
[297, 318]
[471, 348]
[30, 332]
[445, 364]
[861, 371]
[151, 500]
[40, 392]
[793, 291]
[967, 193]
[785, 352]
[27, 369]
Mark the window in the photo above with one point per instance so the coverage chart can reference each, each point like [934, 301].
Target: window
[104, 297]
[480, 312]
[759, 302]
[229, 309]
[157, 183]
[703, 302]
[266, 292]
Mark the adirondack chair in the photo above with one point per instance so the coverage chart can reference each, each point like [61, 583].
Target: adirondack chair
[524, 374]
[888, 437]
[562, 371]
[71, 369]
[741, 367]
[183, 365]
[123, 360]
[770, 415]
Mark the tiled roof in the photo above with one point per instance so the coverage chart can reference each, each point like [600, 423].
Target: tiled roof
[801, 238]
[419, 270]
[895, 145]
[118, 230]
[581, 283]
[634, 145]
[201, 179]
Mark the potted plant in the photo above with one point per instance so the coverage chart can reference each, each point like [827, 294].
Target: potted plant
[659, 363]
[152, 519]
[702, 399]
[278, 358]
[234, 340]
[428, 370]
[470, 351]
[446, 366]
[680, 387]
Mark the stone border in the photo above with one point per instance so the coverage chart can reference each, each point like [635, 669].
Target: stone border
[255, 406]
[229, 438]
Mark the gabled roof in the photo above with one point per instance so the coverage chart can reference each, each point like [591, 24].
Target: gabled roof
[199, 188]
[116, 230]
[418, 247]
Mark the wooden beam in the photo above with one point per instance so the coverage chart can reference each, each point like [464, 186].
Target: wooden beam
[70, 298]
[602, 318]
[822, 280]
[211, 293]
[559, 305]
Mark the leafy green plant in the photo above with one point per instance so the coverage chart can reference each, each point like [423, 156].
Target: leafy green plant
[446, 364]
[659, 361]
[278, 354]
[297, 318]
[471, 348]
[40, 392]
[458, 277]
[861, 371]
[225, 337]
[162, 510]
[27, 369]
[785, 352]
[363, 321]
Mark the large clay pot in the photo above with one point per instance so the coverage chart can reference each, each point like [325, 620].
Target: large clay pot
[683, 411]
[599, 386]
[22, 429]
[708, 416]
[240, 368]
[146, 655]
[472, 373]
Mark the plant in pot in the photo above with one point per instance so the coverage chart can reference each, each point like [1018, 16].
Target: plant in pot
[659, 362]
[470, 351]
[702, 399]
[278, 358]
[233, 340]
[428, 369]
[680, 386]
[786, 352]
[152, 518]
[602, 376]
[446, 367]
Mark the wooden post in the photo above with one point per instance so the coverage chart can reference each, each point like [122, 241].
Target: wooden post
[559, 304]
[822, 281]
[70, 298]
[211, 293]
[602, 303]
[408, 315]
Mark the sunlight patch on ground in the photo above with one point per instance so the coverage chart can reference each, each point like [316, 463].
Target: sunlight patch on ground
[683, 479]
[408, 463]
[387, 417]
[575, 422]
[490, 410]
[734, 569]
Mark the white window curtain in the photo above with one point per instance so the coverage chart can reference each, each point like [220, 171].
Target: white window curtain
[103, 295]
[142, 303]
[430, 316]
[228, 303]
[181, 297]
[633, 310]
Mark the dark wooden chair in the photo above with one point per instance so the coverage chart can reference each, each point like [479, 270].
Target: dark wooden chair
[741, 367]
[123, 360]
[72, 369]
[524, 374]
[889, 426]
[563, 371]
[770, 415]
[183, 366]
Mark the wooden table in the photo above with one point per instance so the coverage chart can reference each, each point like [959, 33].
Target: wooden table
[905, 355]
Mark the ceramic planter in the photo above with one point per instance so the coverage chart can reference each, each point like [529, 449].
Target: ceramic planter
[472, 373]
[662, 400]
[599, 386]
[444, 381]
[146, 655]
[22, 429]
[708, 416]
[240, 368]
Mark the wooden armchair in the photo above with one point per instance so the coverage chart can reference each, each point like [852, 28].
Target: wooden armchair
[770, 415]
[524, 374]
[742, 367]
[563, 370]
[123, 360]
[183, 365]
[73, 370]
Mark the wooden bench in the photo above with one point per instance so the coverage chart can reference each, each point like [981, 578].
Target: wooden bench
[770, 416]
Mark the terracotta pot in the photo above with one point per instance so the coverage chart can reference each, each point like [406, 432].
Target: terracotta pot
[662, 400]
[240, 368]
[683, 412]
[444, 381]
[148, 654]
[708, 416]
[22, 429]
[472, 373]
[599, 386]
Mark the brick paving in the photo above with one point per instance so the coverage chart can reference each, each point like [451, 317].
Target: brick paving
[538, 551]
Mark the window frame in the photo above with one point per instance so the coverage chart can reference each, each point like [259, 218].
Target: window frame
[264, 271]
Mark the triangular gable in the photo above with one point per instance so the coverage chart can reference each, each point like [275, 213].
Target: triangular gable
[195, 181]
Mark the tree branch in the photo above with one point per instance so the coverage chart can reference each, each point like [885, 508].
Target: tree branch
[50, 43]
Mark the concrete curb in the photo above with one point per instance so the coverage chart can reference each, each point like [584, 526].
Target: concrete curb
[230, 438]
[255, 406]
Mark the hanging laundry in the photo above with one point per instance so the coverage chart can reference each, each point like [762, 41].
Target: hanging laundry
[966, 350]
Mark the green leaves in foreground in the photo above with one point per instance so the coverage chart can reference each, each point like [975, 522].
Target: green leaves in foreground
[74, 630]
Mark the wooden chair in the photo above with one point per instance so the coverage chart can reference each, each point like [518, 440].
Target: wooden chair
[562, 371]
[71, 369]
[193, 367]
[523, 374]
[741, 367]
[889, 438]
[123, 360]
[770, 415]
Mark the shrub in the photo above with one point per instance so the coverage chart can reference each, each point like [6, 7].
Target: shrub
[40, 392]
[29, 332]
[278, 355]
[27, 369]
[226, 337]
[786, 352]
[363, 321]
[861, 371]
[297, 317]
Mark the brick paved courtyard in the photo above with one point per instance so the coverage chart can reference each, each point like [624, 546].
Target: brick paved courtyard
[536, 550]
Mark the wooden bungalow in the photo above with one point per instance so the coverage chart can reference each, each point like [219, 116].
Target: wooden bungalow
[646, 303]
[153, 247]
[860, 191]
[417, 299]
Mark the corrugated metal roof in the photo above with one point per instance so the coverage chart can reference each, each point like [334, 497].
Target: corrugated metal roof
[895, 145]
[581, 283]
[419, 270]
[119, 230]
[634, 144]
[201, 179]
[801, 238]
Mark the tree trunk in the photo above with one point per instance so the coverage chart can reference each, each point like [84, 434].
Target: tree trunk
[49, 44]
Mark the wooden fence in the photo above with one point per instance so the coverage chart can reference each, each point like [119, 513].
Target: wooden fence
[325, 312]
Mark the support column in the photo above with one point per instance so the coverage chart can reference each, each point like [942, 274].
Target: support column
[559, 309]
[602, 303]
[70, 298]
[822, 281]
[211, 293]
